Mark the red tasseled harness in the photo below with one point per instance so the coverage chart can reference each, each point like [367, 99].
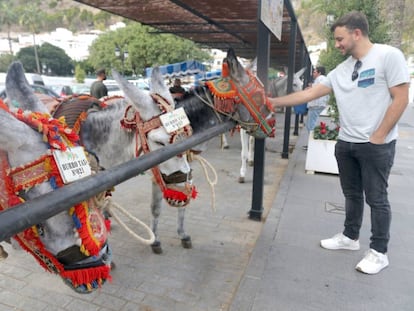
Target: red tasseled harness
[177, 196]
[76, 109]
[228, 94]
[88, 221]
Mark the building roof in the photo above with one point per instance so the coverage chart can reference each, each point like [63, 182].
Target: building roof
[210, 23]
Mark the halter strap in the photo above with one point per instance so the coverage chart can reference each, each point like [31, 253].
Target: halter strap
[132, 121]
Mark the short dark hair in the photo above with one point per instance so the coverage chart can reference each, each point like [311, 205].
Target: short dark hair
[101, 72]
[353, 20]
[321, 70]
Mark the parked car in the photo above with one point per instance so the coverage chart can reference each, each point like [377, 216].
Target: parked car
[81, 89]
[62, 90]
[113, 89]
[37, 88]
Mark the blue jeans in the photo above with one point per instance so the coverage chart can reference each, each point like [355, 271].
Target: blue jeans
[364, 168]
[313, 115]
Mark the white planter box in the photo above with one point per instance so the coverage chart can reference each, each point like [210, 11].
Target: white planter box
[320, 156]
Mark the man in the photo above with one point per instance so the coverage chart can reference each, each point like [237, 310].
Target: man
[177, 90]
[371, 91]
[316, 106]
[98, 88]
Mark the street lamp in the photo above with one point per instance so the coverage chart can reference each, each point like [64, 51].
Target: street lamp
[122, 55]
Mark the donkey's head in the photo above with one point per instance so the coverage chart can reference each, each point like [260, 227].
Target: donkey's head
[154, 135]
[248, 95]
[71, 243]
[278, 87]
[148, 109]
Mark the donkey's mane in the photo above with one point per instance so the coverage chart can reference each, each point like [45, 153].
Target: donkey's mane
[201, 115]
[101, 129]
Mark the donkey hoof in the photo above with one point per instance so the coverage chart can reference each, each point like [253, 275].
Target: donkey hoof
[113, 265]
[241, 180]
[186, 242]
[3, 253]
[156, 247]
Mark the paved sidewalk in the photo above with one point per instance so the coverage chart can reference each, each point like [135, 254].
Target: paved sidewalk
[288, 270]
[204, 278]
[237, 264]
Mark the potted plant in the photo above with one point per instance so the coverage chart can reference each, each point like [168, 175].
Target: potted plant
[320, 156]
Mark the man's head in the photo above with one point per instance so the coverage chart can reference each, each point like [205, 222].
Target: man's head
[349, 30]
[177, 82]
[101, 74]
[317, 71]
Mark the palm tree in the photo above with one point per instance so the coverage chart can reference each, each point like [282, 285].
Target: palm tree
[8, 17]
[31, 18]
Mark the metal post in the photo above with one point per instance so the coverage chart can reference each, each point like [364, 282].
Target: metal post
[263, 54]
[291, 72]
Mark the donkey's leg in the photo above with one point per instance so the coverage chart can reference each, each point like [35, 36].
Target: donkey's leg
[156, 204]
[250, 159]
[224, 143]
[185, 238]
[244, 138]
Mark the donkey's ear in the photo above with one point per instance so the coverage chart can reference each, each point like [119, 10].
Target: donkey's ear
[14, 134]
[252, 66]
[158, 85]
[19, 92]
[139, 98]
[300, 72]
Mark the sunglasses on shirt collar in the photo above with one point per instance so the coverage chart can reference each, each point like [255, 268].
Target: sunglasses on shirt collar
[355, 73]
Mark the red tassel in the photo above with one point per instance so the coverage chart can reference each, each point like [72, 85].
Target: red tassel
[108, 225]
[224, 70]
[194, 193]
[87, 276]
[174, 194]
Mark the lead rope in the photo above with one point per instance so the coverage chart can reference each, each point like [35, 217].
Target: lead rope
[106, 203]
[205, 165]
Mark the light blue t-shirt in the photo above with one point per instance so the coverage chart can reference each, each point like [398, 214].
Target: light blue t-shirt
[362, 103]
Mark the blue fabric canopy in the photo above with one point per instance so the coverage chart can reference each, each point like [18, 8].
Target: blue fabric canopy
[204, 76]
[187, 68]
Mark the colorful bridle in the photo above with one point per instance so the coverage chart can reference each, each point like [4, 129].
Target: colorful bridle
[228, 94]
[88, 221]
[174, 193]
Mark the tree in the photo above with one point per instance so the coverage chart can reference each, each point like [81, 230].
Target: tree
[31, 18]
[5, 61]
[395, 15]
[53, 60]
[145, 48]
[79, 74]
[335, 9]
[8, 17]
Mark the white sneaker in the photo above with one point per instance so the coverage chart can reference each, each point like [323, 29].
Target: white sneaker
[340, 241]
[373, 262]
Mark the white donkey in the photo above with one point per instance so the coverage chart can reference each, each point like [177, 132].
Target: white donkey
[277, 87]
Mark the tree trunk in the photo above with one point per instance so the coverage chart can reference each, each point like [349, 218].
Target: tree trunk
[9, 39]
[395, 17]
[36, 56]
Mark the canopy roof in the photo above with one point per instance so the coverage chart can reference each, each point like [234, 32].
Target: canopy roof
[187, 68]
[211, 23]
